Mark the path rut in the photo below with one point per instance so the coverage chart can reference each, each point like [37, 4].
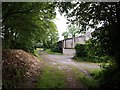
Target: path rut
[66, 63]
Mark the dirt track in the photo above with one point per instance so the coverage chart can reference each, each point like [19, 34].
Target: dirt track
[65, 63]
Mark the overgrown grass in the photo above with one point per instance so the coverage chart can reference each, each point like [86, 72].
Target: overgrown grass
[90, 82]
[95, 59]
[51, 52]
[79, 59]
[51, 78]
[109, 77]
[95, 73]
[55, 78]
[37, 55]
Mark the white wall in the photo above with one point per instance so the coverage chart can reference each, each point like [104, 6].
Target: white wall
[70, 43]
[69, 52]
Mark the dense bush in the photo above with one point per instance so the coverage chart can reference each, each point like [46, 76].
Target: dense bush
[90, 52]
[55, 48]
[80, 50]
[109, 77]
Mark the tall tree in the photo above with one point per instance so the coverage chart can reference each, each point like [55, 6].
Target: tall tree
[92, 14]
[25, 23]
[65, 34]
[51, 36]
[106, 36]
[73, 30]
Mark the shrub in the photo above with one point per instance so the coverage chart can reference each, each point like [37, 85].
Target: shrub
[55, 48]
[80, 50]
[110, 77]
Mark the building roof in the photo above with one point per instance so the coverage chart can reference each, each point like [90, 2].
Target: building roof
[71, 38]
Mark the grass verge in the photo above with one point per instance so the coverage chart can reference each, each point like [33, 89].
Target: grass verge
[51, 78]
[51, 52]
[37, 55]
[89, 82]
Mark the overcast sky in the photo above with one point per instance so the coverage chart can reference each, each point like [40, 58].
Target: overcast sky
[60, 22]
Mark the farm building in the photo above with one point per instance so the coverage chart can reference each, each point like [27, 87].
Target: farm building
[67, 45]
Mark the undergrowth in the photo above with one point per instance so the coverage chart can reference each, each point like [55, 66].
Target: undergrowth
[89, 82]
[37, 55]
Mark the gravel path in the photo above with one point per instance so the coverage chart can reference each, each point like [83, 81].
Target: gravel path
[66, 63]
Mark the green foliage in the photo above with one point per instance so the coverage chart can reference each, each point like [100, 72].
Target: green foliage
[36, 54]
[92, 48]
[65, 34]
[53, 52]
[54, 48]
[109, 77]
[73, 31]
[80, 50]
[95, 53]
[87, 14]
[92, 53]
[51, 78]
[51, 37]
[96, 74]
[90, 82]
[106, 37]
[26, 23]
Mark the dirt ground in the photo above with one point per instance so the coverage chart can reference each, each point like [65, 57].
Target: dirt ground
[18, 65]
[14, 60]
[67, 64]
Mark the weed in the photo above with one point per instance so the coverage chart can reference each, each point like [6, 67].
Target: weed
[37, 55]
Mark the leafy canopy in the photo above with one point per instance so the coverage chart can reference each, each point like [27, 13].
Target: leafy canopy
[93, 14]
[26, 23]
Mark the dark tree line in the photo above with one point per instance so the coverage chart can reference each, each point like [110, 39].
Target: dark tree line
[27, 23]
